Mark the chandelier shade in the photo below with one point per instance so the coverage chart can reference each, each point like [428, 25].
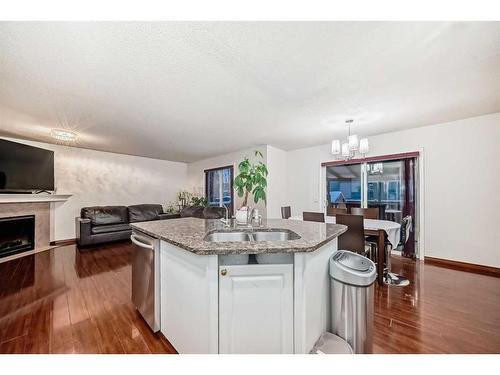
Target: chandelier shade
[335, 147]
[353, 142]
[364, 146]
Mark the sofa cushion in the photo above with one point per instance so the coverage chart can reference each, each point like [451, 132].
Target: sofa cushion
[109, 228]
[104, 215]
[214, 212]
[144, 212]
[192, 211]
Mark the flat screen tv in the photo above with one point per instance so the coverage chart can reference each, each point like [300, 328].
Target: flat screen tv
[25, 169]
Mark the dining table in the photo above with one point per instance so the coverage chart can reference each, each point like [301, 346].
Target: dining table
[382, 230]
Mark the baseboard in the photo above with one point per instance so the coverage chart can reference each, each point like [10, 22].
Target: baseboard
[463, 266]
[70, 241]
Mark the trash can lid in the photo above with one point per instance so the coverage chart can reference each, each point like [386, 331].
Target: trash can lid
[358, 263]
[328, 343]
[351, 268]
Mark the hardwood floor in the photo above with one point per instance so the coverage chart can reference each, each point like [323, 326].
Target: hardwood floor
[67, 301]
[441, 311]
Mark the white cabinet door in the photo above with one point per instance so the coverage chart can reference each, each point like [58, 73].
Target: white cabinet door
[256, 309]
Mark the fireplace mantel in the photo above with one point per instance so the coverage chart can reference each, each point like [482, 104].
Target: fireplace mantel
[30, 198]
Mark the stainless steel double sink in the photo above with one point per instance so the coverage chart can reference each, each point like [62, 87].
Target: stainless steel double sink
[251, 236]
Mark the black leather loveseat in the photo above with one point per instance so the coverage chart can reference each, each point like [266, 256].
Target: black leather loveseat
[210, 212]
[100, 224]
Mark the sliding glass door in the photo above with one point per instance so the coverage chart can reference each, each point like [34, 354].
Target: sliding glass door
[391, 188]
[388, 185]
[219, 187]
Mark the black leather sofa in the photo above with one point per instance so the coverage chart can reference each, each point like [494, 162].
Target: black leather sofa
[211, 212]
[101, 224]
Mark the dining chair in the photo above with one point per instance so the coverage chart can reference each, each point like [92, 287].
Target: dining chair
[313, 216]
[405, 230]
[367, 213]
[286, 212]
[354, 238]
[389, 277]
[403, 239]
[333, 211]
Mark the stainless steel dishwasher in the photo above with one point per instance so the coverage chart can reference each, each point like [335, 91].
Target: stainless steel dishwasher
[146, 278]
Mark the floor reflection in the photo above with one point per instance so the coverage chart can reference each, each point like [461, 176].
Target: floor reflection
[70, 301]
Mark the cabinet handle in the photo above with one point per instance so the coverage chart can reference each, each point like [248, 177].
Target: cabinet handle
[223, 272]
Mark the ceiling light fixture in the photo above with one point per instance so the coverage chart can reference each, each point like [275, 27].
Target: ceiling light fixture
[347, 150]
[63, 135]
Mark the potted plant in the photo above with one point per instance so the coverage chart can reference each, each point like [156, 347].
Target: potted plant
[251, 179]
[186, 198]
[183, 198]
[198, 201]
[171, 208]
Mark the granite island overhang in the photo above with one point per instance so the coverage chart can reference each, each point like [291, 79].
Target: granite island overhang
[189, 234]
[210, 305]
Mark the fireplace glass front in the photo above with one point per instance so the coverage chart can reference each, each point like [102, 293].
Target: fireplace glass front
[17, 234]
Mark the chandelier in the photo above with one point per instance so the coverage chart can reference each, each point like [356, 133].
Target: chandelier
[347, 149]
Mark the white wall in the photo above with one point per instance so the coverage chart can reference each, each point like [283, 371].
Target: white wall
[276, 181]
[196, 175]
[103, 178]
[461, 166]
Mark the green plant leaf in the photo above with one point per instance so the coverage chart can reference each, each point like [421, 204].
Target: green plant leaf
[238, 181]
[258, 153]
[240, 192]
[244, 166]
[264, 169]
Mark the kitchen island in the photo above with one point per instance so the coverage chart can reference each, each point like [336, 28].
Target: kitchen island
[231, 289]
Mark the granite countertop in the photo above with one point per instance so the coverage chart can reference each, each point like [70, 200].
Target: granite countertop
[189, 233]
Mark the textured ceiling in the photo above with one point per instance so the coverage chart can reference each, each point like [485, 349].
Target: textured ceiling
[188, 90]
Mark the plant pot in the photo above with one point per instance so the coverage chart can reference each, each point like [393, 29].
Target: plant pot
[242, 215]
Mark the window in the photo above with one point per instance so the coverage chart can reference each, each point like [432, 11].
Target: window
[219, 187]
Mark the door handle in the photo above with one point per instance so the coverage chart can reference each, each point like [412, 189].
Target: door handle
[223, 272]
[139, 242]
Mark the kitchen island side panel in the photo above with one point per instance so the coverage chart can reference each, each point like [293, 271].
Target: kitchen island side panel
[312, 310]
[189, 300]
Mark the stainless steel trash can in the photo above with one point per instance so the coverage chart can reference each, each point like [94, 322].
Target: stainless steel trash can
[351, 279]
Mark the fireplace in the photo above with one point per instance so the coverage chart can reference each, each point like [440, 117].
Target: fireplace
[17, 234]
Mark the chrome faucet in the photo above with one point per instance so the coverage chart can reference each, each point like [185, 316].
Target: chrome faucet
[250, 216]
[226, 216]
[254, 215]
